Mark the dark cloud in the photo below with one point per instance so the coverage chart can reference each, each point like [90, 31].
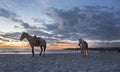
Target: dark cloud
[23, 25]
[39, 20]
[51, 38]
[38, 33]
[97, 7]
[10, 15]
[7, 14]
[27, 26]
[91, 22]
[16, 27]
[14, 17]
[14, 35]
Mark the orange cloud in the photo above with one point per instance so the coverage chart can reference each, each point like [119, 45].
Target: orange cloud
[61, 46]
[14, 45]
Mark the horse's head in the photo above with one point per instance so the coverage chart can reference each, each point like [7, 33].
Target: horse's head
[23, 36]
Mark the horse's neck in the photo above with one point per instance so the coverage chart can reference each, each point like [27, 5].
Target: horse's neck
[82, 41]
[30, 38]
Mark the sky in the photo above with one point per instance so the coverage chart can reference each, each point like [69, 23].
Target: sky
[60, 22]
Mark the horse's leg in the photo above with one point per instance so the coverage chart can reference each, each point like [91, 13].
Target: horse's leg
[81, 49]
[86, 52]
[32, 50]
[41, 51]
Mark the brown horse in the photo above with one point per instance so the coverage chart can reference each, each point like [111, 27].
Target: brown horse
[41, 42]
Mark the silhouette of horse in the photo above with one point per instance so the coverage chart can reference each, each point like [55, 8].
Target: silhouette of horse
[32, 41]
[84, 46]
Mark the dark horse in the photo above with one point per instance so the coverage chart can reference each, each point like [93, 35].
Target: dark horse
[32, 41]
[84, 46]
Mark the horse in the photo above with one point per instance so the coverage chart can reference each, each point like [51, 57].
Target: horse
[32, 41]
[84, 46]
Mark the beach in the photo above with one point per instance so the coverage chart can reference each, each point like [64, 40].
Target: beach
[65, 62]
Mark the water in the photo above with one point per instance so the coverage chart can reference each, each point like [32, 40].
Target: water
[28, 51]
[37, 51]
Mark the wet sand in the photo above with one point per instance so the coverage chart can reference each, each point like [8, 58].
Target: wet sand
[73, 62]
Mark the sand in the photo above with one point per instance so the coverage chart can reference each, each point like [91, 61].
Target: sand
[73, 62]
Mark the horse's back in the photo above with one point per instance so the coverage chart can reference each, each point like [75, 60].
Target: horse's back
[42, 41]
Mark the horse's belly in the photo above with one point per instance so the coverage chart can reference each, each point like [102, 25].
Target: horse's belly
[37, 44]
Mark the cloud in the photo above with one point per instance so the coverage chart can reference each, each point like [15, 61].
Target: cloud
[44, 2]
[39, 33]
[27, 26]
[16, 35]
[97, 7]
[7, 14]
[39, 20]
[4, 40]
[91, 22]
[16, 27]
[6, 4]
[23, 25]
[10, 15]
[13, 35]
[1, 32]
[14, 17]
[51, 38]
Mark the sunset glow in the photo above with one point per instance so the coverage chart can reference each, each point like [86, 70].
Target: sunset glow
[25, 45]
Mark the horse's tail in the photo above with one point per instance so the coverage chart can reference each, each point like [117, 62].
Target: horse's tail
[45, 46]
